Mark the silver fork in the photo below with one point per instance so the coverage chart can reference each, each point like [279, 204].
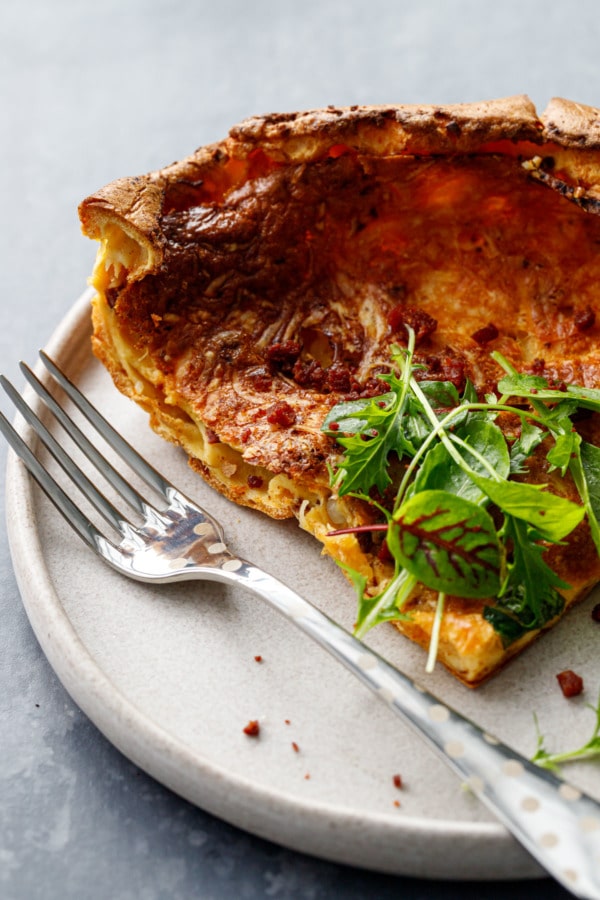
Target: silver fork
[556, 822]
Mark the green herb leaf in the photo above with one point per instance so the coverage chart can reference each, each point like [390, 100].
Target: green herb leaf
[514, 615]
[529, 595]
[522, 385]
[531, 437]
[368, 431]
[440, 394]
[566, 447]
[439, 471]
[460, 461]
[589, 750]
[449, 544]
[534, 387]
[590, 460]
[552, 516]
[385, 606]
[354, 416]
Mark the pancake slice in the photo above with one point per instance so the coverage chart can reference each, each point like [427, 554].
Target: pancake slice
[246, 291]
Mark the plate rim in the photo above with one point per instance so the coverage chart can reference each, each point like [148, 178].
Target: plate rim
[325, 830]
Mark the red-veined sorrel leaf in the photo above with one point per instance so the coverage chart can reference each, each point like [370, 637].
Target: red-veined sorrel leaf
[449, 544]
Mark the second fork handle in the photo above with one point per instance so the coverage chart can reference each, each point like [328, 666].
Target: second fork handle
[555, 822]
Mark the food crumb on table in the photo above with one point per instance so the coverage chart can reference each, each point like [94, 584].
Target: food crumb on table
[571, 684]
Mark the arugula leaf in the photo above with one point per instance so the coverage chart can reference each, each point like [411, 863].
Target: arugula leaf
[529, 597]
[368, 431]
[354, 416]
[531, 437]
[379, 431]
[536, 387]
[449, 544]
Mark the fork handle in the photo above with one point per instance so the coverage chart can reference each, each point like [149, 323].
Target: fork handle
[556, 822]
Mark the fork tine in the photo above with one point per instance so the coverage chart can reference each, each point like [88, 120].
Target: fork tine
[79, 478]
[139, 465]
[84, 528]
[120, 484]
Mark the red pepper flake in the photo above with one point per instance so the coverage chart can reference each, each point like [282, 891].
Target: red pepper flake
[245, 435]
[334, 426]
[570, 683]
[307, 776]
[254, 481]
[397, 804]
[486, 334]
[537, 366]
[288, 722]
[252, 729]
[281, 413]
[397, 779]
[258, 658]
[211, 437]
[596, 613]
[295, 747]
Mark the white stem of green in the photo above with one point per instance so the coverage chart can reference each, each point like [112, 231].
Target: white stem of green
[449, 440]
[435, 633]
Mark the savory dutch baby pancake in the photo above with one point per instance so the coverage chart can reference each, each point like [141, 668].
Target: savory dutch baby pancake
[384, 322]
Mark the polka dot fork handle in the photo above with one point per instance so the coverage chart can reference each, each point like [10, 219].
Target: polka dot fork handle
[556, 822]
[178, 540]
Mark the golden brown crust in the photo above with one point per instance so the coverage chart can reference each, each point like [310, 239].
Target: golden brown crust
[246, 289]
[388, 130]
[136, 202]
[572, 124]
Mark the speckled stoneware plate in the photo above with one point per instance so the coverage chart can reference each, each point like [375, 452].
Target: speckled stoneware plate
[169, 674]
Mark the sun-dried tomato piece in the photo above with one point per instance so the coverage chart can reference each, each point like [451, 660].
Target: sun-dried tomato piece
[486, 334]
[421, 322]
[310, 374]
[570, 683]
[339, 378]
[282, 414]
[284, 353]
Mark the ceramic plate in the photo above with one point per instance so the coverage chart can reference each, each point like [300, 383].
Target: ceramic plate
[170, 675]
